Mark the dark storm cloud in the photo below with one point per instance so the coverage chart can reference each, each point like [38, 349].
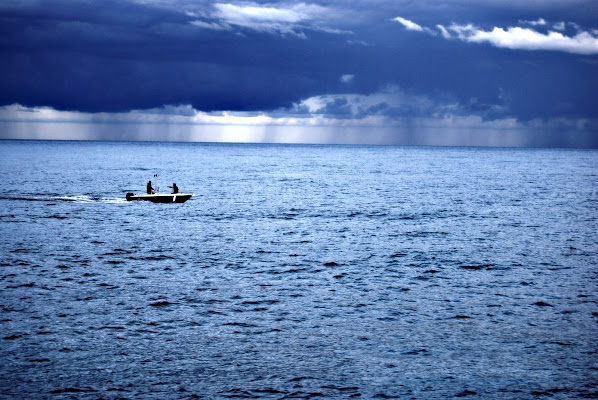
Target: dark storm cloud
[116, 56]
[134, 57]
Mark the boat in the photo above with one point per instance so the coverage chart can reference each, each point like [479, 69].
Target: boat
[160, 197]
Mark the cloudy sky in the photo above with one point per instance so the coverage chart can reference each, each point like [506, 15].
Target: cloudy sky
[445, 72]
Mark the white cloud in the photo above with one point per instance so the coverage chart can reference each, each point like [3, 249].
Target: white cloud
[254, 15]
[445, 33]
[409, 25]
[517, 38]
[211, 25]
[285, 20]
[528, 39]
[559, 26]
[574, 26]
[389, 104]
[347, 78]
[412, 26]
[538, 22]
[357, 43]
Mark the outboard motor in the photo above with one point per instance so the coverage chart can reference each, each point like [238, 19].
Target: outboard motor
[129, 195]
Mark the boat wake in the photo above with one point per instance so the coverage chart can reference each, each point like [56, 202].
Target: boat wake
[73, 199]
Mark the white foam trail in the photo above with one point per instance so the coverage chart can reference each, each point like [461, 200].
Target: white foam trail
[76, 199]
[72, 199]
[113, 200]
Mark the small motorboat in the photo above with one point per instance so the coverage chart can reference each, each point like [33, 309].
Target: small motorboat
[160, 197]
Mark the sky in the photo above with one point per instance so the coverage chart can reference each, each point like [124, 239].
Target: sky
[400, 72]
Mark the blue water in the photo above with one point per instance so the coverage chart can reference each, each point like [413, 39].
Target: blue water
[298, 272]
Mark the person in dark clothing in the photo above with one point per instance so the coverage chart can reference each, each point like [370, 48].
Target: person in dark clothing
[175, 188]
[150, 189]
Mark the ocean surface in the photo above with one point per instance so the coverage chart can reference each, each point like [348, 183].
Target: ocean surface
[297, 272]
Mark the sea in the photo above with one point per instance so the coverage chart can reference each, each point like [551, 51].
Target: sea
[297, 272]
